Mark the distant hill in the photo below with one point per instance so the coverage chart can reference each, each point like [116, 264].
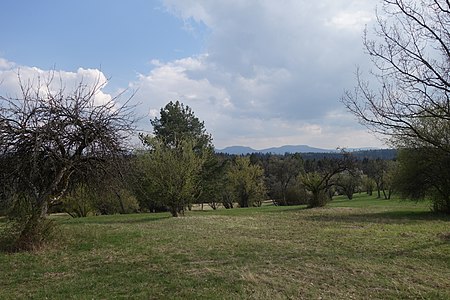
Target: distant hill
[313, 153]
[238, 150]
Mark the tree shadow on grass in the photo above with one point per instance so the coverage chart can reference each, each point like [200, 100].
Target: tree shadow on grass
[388, 217]
[281, 209]
[416, 251]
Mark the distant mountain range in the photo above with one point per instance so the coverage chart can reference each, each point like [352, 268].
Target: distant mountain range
[239, 150]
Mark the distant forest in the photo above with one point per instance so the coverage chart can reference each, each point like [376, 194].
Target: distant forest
[373, 154]
[384, 154]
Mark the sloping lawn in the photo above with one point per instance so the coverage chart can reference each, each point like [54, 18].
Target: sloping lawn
[363, 248]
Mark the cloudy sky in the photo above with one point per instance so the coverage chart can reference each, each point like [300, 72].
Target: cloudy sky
[260, 73]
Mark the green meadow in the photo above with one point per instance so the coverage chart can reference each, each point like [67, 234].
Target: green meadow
[365, 248]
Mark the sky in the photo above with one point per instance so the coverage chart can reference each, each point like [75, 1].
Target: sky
[259, 73]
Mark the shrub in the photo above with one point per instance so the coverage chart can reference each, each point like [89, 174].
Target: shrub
[23, 229]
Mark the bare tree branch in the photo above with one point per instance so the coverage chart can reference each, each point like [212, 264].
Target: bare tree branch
[411, 55]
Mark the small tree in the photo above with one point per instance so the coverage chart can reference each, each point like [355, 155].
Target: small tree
[282, 173]
[376, 169]
[348, 182]
[389, 176]
[50, 140]
[368, 184]
[173, 174]
[247, 181]
[79, 202]
[318, 187]
[320, 180]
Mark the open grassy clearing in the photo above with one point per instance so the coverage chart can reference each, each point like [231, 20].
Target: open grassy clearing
[364, 248]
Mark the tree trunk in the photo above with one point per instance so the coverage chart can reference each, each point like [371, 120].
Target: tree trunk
[122, 207]
[34, 227]
[378, 191]
[174, 211]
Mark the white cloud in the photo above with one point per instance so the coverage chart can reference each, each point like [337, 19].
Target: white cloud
[352, 20]
[11, 76]
[5, 64]
[272, 72]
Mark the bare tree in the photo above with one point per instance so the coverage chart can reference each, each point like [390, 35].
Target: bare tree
[319, 179]
[411, 55]
[51, 139]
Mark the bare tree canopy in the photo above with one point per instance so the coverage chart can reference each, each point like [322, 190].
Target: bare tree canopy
[411, 53]
[50, 138]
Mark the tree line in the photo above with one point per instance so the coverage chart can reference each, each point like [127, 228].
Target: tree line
[177, 168]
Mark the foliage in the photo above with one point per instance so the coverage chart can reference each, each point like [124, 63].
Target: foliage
[389, 176]
[178, 123]
[79, 202]
[281, 173]
[296, 193]
[320, 177]
[379, 174]
[212, 178]
[348, 183]
[368, 184]
[115, 201]
[424, 173]
[51, 139]
[172, 174]
[247, 182]
[24, 229]
[317, 185]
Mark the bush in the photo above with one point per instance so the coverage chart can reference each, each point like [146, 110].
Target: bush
[79, 203]
[23, 229]
[424, 174]
[318, 189]
[85, 200]
[115, 202]
[296, 195]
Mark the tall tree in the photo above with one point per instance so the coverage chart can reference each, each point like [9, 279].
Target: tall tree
[411, 102]
[177, 123]
[49, 140]
[411, 55]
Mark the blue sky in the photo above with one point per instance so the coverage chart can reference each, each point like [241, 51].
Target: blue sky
[260, 73]
[120, 37]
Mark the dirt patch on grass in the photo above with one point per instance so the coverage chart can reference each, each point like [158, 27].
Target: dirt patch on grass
[444, 236]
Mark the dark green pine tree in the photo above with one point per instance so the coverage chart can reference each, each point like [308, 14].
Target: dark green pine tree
[176, 123]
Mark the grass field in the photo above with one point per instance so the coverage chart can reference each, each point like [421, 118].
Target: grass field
[365, 248]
